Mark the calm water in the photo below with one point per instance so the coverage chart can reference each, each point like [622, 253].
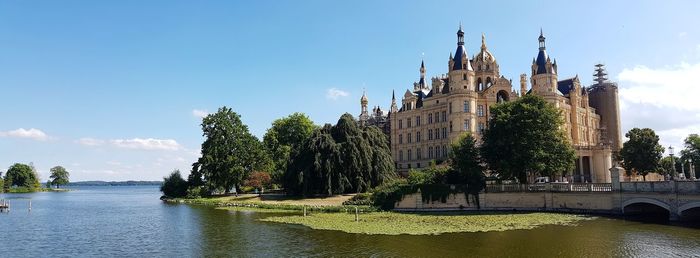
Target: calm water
[131, 221]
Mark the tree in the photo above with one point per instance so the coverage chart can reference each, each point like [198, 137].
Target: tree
[21, 175]
[259, 180]
[229, 152]
[524, 137]
[286, 134]
[691, 152]
[340, 159]
[642, 153]
[2, 183]
[174, 185]
[467, 164]
[666, 166]
[48, 184]
[59, 176]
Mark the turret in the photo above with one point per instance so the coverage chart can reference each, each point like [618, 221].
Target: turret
[461, 73]
[523, 85]
[544, 71]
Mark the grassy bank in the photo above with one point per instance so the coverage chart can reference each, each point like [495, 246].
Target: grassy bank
[276, 202]
[32, 190]
[392, 223]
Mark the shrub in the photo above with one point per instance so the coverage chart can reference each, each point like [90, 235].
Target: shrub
[196, 192]
[174, 185]
[360, 199]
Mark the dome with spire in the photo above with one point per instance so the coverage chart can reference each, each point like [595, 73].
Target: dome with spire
[363, 99]
[484, 55]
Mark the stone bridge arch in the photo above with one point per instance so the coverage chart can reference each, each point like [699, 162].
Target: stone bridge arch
[689, 211]
[647, 207]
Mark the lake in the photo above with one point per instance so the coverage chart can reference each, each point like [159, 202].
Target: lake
[130, 221]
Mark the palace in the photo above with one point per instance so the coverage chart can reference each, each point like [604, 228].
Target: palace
[436, 112]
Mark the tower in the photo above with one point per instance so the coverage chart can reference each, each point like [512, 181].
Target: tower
[544, 71]
[603, 96]
[523, 85]
[364, 114]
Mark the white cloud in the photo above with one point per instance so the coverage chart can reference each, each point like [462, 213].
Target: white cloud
[32, 133]
[90, 141]
[147, 144]
[663, 99]
[200, 113]
[334, 93]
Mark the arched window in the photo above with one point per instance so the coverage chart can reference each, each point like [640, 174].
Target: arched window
[487, 67]
[501, 96]
[488, 81]
[479, 84]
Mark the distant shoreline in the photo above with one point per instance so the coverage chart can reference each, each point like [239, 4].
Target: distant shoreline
[114, 183]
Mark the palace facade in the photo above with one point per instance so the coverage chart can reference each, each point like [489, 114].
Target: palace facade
[438, 110]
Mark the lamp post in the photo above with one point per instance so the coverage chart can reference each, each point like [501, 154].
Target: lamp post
[673, 163]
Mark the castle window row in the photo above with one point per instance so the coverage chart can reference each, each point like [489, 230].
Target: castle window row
[433, 152]
[432, 135]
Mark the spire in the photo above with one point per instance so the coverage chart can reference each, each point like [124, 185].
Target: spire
[483, 41]
[541, 40]
[363, 99]
[393, 95]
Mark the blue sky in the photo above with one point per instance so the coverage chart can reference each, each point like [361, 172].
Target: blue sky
[112, 90]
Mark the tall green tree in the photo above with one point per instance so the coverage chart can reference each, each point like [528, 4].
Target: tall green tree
[229, 152]
[22, 175]
[642, 153]
[524, 137]
[691, 152]
[59, 176]
[286, 134]
[467, 164]
[340, 159]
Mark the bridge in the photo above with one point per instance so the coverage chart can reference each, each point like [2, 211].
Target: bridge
[675, 200]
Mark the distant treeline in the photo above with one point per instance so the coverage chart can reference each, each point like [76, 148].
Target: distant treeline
[114, 183]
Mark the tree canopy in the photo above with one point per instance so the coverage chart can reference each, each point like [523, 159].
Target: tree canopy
[340, 159]
[524, 137]
[174, 185]
[284, 135]
[22, 175]
[59, 176]
[642, 153]
[229, 152]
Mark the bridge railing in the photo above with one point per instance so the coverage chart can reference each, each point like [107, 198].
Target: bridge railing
[549, 187]
[681, 187]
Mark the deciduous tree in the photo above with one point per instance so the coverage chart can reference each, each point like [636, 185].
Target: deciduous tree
[467, 164]
[642, 153]
[286, 134]
[524, 137]
[229, 152]
[59, 176]
[22, 175]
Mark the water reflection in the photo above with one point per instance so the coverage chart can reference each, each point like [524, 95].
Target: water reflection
[133, 222]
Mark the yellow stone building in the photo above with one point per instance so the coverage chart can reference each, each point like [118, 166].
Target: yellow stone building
[436, 113]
